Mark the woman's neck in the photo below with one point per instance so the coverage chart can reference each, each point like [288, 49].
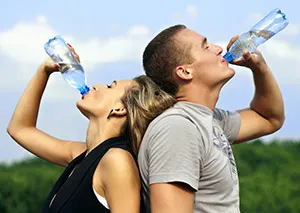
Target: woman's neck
[99, 131]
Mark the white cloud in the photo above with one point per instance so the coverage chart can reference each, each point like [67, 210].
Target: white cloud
[284, 59]
[187, 15]
[292, 30]
[41, 19]
[255, 17]
[127, 47]
[24, 42]
[22, 46]
[139, 30]
[191, 10]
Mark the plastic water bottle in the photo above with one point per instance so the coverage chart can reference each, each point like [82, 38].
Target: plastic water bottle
[267, 27]
[70, 68]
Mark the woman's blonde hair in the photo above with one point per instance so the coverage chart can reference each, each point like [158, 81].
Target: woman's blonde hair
[143, 103]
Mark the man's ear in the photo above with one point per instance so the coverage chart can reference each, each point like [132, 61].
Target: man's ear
[183, 73]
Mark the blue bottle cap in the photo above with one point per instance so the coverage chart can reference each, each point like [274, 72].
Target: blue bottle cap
[228, 57]
[83, 90]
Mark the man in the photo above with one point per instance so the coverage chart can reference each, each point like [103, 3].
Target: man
[185, 158]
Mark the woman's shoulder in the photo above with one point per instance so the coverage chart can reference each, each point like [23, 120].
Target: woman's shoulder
[117, 157]
[119, 178]
[117, 167]
[117, 163]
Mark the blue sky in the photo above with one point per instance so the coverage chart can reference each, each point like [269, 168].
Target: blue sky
[110, 37]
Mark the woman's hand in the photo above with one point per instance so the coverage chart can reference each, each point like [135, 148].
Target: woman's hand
[49, 66]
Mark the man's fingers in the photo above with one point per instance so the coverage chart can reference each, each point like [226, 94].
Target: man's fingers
[246, 55]
[232, 40]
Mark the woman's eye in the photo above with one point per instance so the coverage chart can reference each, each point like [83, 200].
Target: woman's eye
[108, 86]
[206, 47]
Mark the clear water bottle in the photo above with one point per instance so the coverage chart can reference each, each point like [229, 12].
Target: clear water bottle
[70, 68]
[267, 27]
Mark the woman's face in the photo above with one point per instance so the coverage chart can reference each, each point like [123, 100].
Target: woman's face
[101, 99]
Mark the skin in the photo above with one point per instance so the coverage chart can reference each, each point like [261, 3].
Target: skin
[201, 83]
[116, 177]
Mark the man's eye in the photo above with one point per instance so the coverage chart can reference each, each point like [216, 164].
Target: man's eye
[206, 47]
[108, 86]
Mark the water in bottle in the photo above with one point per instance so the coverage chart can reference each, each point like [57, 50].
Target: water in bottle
[70, 68]
[271, 24]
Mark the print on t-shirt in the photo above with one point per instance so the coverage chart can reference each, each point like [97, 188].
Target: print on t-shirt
[221, 142]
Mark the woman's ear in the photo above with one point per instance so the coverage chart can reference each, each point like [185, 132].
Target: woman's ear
[119, 111]
[183, 73]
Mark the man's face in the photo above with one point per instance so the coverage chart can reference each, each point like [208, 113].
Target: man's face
[209, 67]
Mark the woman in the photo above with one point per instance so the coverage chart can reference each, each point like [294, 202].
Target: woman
[101, 174]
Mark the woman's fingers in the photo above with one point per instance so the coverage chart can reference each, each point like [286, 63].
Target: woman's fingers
[74, 52]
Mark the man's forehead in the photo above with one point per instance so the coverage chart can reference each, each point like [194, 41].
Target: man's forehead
[190, 34]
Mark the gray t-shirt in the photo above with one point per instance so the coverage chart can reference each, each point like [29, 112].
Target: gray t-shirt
[190, 143]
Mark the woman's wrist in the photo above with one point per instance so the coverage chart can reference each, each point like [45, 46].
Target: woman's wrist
[48, 67]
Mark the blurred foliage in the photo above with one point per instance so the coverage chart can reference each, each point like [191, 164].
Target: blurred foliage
[25, 185]
[269, 175]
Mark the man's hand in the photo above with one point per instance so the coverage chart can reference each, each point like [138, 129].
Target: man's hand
[255, 61]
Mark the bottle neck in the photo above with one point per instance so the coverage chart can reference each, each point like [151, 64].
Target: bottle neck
[84, 90]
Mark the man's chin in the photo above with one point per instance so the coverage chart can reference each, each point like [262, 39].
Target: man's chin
[231, 73]
[228, 78]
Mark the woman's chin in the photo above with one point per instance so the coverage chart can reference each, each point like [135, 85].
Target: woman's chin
[82, 109]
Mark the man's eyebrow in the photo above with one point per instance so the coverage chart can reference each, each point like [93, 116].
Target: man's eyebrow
[204, 41]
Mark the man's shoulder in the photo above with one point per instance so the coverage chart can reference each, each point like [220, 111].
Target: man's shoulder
[171, 116]
[221, 114]
[171, 123]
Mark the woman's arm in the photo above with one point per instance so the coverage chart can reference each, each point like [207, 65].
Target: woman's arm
[22, 126]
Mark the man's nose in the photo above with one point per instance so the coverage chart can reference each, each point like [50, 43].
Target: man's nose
[217, 49]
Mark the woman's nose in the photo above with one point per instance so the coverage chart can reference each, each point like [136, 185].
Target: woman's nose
[99, 86]
[96, 87]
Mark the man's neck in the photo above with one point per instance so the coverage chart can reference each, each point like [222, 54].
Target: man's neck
[203, 96]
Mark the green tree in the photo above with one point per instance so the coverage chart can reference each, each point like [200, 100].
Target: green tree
[269, 175]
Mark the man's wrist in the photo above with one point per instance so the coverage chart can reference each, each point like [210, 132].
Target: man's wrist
[261, 68]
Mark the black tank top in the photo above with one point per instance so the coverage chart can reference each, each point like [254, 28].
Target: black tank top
[75, 194]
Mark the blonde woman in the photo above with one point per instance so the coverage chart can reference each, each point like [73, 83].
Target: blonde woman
[101, 174]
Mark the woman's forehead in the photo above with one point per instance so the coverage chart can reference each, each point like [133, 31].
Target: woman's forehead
[125, 82]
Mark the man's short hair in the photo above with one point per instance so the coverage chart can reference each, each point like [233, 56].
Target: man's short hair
[162, 55]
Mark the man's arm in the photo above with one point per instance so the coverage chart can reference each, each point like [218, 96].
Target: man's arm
[171, 197]
[266, 112]
[174, 150]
